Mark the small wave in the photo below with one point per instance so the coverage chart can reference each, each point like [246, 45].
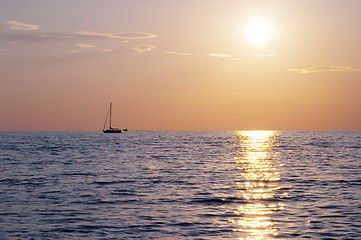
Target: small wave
[78, 174]
[112, 182]
[355, 147]
[216, 201]
[124, 192]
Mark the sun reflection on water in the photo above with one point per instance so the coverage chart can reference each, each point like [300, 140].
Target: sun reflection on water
[258, 185]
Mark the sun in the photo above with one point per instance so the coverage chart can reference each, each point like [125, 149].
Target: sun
[258, 30]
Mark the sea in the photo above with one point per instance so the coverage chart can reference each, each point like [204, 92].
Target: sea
[180, 185]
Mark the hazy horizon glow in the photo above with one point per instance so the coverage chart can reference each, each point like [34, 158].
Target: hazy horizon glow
[174, 65]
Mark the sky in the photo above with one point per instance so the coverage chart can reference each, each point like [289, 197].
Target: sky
[180, 65]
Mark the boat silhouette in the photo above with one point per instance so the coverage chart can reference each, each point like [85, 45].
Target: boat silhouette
[111, 129]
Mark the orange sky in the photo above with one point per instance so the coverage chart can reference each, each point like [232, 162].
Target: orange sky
[179, 65]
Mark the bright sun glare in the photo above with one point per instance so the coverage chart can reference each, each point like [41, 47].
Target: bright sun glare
[258, 30]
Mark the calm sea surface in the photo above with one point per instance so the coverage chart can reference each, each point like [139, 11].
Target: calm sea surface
[180, 185]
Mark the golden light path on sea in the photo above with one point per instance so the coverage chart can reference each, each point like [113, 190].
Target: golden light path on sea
[258, 168]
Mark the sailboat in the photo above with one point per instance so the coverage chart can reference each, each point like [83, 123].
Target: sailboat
[110, 130]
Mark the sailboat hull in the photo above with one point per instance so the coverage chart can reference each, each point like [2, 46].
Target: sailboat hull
[112, 131]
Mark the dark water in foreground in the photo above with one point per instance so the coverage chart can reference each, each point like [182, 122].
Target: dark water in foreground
[180, 185]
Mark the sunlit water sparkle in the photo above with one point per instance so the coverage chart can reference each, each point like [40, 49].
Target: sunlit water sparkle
[180, 185]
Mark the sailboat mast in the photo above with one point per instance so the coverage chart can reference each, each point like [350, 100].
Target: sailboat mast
[110, 120]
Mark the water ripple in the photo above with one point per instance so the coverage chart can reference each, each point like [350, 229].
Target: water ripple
[185, 185]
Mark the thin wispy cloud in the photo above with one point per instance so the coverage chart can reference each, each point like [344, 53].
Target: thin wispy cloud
[83, 45]
[143, 48]
[318, 69]
[16, 25]
[178, 53]
[223, 55]
[2, 49]
[118, 35]
[107, 50]
[170, 52]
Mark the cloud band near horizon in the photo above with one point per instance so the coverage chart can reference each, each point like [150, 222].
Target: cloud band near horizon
[318, 69]
[118, 35]
[16, 25]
